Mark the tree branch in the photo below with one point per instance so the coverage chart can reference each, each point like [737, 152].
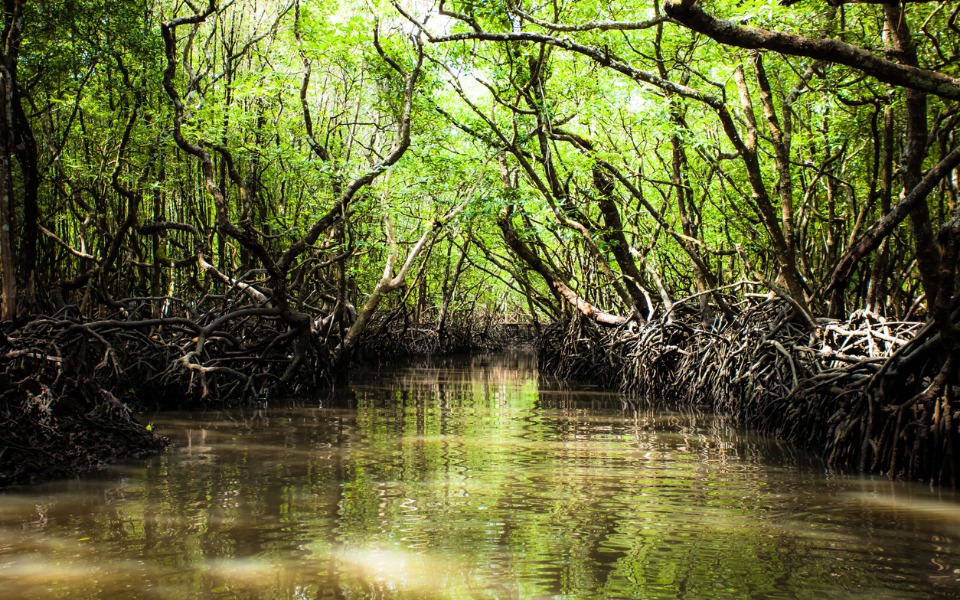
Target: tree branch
[689, 14]
[401, 143]
[885, 226]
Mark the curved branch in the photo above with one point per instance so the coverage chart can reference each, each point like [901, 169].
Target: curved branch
[885, 226]
[553, 279]
[592, 25]
[245, 238]
[601, 55]
[401, 143]
[689, 14]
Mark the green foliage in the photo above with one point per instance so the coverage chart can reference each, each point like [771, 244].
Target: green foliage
[90, 68]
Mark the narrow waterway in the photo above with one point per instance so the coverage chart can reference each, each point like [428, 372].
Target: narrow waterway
[471, 478]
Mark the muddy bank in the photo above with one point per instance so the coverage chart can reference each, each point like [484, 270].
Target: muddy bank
[64, 411]
[70, 389]
[47, 436]
[867, 393]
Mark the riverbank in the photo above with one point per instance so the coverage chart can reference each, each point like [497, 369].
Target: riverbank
[69, 390]
[47, 436]
[866, 393]
[863, 393]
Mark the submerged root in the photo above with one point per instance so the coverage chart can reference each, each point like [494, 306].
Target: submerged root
[869, 393]
[398, 337]
[67, 383]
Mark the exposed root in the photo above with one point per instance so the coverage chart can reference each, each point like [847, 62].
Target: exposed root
[872, 394]
[46, 434]
[395, 337]
[66, 383]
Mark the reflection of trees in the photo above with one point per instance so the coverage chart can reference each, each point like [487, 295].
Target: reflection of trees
[566, 511]
[471, 480]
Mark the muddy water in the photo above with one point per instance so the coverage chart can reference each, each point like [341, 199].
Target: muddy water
[472, 479]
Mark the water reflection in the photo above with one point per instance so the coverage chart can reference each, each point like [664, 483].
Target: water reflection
[472, 479]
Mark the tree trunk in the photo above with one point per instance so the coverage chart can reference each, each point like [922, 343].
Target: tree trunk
[553, 280]
[8, 270]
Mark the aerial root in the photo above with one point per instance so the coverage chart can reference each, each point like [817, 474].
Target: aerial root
[67, 384]
[867, 392]
[398, 335]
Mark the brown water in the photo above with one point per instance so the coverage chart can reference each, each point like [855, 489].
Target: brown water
[474, 480]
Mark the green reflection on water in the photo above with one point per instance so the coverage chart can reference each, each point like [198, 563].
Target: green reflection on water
[470, 480]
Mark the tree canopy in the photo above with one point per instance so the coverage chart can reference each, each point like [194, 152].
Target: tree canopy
[321, 165]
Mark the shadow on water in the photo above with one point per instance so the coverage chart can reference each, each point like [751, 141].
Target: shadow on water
[469, 477]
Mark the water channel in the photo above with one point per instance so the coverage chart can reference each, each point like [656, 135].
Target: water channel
[474, 478]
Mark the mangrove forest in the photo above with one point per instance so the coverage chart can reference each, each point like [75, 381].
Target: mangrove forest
[746, 208]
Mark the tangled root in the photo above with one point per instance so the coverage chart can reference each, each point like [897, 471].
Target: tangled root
[869, 393]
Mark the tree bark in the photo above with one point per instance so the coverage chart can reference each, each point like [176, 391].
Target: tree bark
[914, 151]
[553, 280]
[23, 147]
[8, 267]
